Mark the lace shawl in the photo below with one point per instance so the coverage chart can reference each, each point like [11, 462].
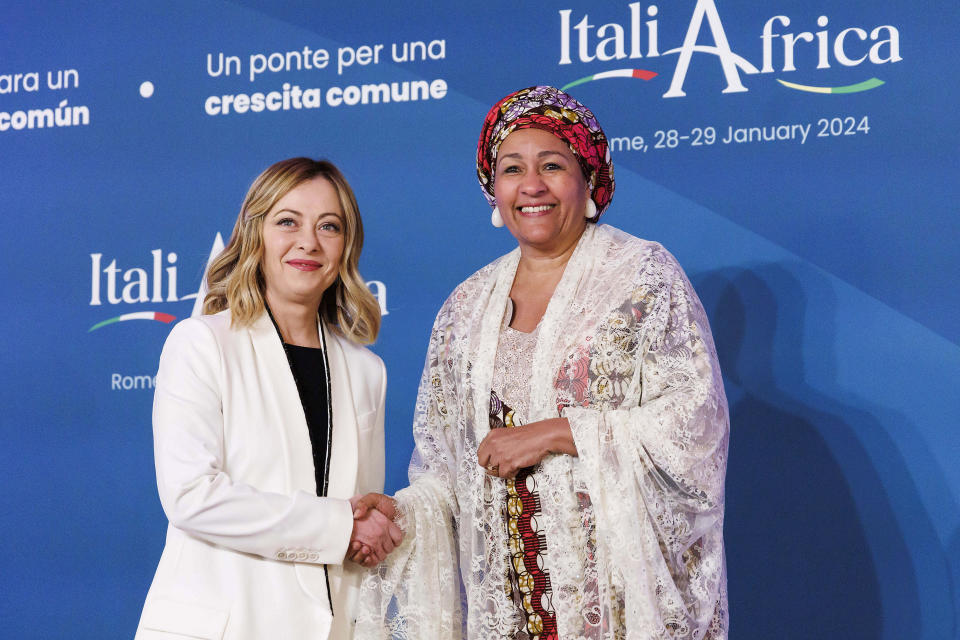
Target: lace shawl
[625, 353]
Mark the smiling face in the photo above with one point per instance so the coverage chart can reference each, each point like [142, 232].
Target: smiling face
[303, 239]
[540, 191]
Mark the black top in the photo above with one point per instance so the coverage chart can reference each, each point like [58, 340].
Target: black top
[309, 372]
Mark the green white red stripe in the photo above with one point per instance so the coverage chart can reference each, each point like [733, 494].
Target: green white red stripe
[866, 85]
[139, 315]
[640, 74]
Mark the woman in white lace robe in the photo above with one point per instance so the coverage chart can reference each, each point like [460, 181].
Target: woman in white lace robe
[571, 426]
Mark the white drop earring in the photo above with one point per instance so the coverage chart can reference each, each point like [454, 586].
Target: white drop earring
[495, 218]
[591, 209]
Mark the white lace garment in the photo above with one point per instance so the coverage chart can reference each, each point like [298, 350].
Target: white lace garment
[633, 524]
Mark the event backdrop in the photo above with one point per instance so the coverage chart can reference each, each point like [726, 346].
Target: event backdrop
[799, 157]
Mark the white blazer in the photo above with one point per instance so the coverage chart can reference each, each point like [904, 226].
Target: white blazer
[249, 539]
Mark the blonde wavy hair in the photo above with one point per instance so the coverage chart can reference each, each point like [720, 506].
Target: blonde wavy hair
[235, 279]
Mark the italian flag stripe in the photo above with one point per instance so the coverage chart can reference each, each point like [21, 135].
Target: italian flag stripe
[866, 85]
[640, 74]
[139, 315]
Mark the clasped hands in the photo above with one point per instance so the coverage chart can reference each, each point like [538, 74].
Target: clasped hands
[502, 453]
[506, 451]
[375, 534]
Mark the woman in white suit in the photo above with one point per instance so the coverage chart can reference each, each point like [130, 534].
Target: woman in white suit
[268, 422]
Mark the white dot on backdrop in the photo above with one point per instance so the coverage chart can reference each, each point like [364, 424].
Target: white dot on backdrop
[146, 89]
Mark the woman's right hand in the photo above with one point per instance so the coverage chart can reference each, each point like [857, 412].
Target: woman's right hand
[375, 534]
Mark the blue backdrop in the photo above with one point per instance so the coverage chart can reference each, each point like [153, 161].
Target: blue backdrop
[799, 158]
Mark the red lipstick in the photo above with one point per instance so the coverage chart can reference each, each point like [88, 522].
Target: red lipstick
[304, 265]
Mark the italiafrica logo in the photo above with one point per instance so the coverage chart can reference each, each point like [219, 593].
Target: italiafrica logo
[640, 39]
[159, 285]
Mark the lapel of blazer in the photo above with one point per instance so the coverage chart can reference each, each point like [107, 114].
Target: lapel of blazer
[343, 453]
[279, 387]
[342, 477]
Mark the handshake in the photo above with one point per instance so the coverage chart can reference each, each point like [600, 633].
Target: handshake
[375, 534]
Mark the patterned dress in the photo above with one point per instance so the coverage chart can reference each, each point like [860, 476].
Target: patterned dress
[529, 575]
[625, 539]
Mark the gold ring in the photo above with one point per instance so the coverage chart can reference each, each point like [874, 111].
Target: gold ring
[493, 468]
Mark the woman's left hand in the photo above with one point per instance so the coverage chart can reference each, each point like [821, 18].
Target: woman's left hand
[363, 549]
[507, 450]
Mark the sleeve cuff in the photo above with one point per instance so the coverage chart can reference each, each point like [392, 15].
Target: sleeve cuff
[586, 432]
[330, 545]
[339, 528]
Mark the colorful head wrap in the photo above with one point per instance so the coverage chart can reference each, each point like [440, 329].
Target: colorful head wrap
[552, 110]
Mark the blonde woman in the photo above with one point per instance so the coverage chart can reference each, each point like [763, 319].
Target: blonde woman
[268, 420]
